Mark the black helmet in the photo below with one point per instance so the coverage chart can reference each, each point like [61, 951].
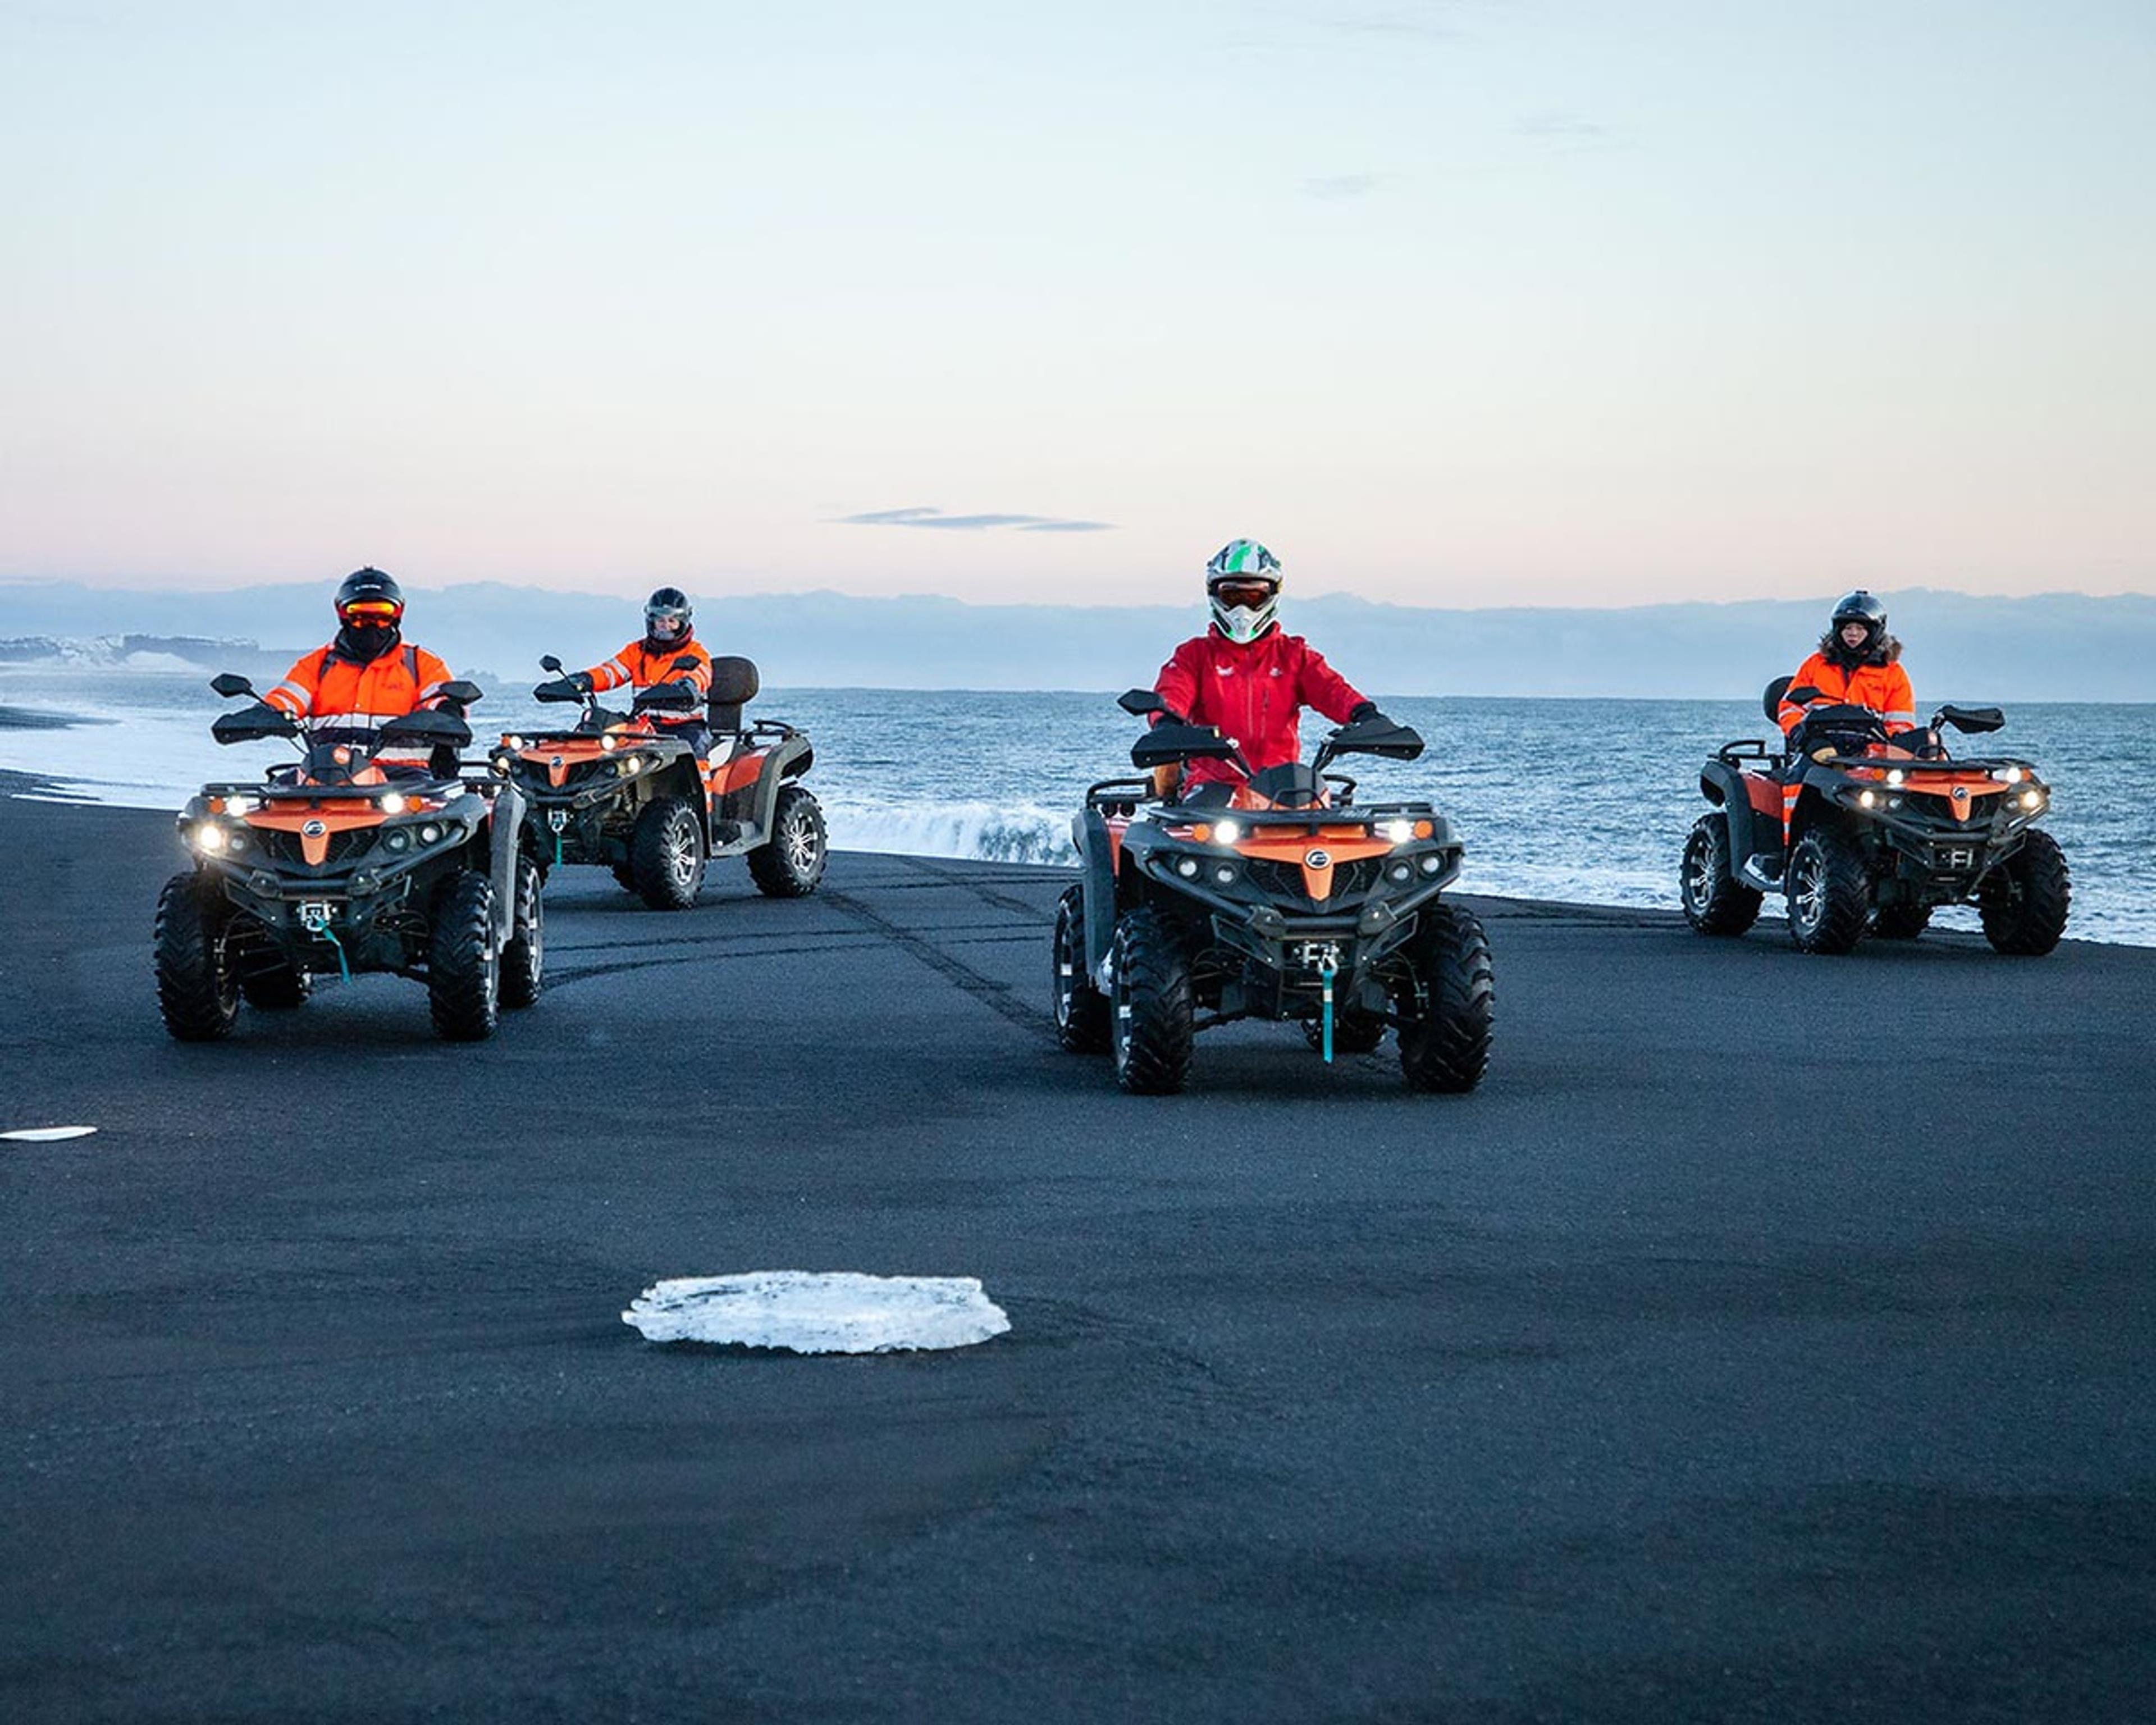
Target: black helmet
[666, 618]
[378, 599]
[1860, 607]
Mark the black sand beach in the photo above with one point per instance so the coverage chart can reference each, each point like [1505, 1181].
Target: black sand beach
[1768, 1339]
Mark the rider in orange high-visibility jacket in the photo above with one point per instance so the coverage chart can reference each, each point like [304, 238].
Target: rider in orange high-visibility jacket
[347, 689]
[1858, 664]
[669, 637]
[1248, 676]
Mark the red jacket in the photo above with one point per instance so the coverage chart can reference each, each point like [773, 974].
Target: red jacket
[1256, 694]
[338, 696]
[1883, 688]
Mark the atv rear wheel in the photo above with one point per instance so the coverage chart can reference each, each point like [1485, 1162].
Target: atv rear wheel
[1150, 1005]
[1081, 1010]
[790, 864]
[1715, 901]
[1352, 1033]
[1444, 1046]
[197, 990]
[1829, 896]
[276, 986]
[1900, 923]
[666, 853]
[2025, 900]
[524, 959]
[464, 969]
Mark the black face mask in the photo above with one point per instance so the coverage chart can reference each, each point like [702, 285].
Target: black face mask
[364, 645]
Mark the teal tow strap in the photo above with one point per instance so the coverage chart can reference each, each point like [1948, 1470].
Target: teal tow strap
[344, 970]
[1326, 973]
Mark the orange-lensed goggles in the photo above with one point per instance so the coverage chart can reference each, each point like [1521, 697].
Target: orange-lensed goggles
[371, 611]
[1244, 594]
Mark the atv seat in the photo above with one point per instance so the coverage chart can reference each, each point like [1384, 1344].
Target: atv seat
[734, 684]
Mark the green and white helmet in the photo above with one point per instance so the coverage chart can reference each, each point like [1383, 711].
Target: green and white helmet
[1243, 581]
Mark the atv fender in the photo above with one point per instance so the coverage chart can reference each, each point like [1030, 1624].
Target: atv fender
[1750, 831]
[503, 834]
[1097, 872]
[741, 819]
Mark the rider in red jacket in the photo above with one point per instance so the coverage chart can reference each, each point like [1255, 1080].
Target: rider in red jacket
[1247, 675]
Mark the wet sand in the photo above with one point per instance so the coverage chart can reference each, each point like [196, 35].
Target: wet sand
[1769, 1339]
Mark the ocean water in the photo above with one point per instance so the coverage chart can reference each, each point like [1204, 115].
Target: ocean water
[1582, 801]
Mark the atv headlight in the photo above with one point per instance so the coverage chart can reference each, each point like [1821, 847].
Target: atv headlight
[1431, 864]
[209, 836]
[2031, 798]
[1223, 874]
[429, 833]
[1396, 832]
[512, 743]
[1868, 799]
[1227, 832]
[1186, 866]
[1896, 777]
[398, 839]
[394, 803]
[501, 764]
[1400, 873]
[242, 805]
[2013, 775]
[609, 743]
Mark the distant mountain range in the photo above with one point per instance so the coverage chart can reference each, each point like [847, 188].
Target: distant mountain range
[1961, 646]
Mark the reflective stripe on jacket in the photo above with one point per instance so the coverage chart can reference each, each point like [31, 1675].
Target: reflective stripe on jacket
[1883, 688]
[333, 694]
[1256, 694]
[644, 667]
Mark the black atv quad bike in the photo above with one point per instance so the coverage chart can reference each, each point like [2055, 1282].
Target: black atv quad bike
[615, 790]
[1862, 836]
[336, 867]
[1278, 899]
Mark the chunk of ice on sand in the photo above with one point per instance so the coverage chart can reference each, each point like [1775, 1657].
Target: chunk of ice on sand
[808, 1312]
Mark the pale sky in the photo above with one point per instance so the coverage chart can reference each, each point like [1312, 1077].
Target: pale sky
[1491, 301]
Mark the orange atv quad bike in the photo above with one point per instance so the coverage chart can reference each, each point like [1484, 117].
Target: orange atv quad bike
[1861, 835]
[616, 790]
[1279, 898]
[337, 866]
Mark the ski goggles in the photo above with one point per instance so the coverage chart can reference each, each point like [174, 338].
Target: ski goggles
[1239, 593]
[371, 611]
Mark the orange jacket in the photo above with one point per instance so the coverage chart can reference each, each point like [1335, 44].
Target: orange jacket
[325, 686]
[1883, 688]
[641, 667]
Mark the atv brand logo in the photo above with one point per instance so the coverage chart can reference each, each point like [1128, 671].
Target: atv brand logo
[314, 830]
[1961, 793]
[1318, 860]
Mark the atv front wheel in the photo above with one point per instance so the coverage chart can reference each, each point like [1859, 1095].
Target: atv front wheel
[2025, 900]
[1151, 1012]
[666, 853]
[198, 988]
[1715, 901]
[1444, 1046]
[1900, 923]
[1081, 1010]
[464, 969]
[791, 864]
[1829, 896]
[524, 959]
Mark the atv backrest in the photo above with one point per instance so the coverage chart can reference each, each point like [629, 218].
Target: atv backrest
[1772, 699]
[734, 684]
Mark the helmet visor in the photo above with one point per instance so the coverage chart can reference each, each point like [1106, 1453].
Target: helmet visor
[373, 613]
[1242, 592]
[665, 625]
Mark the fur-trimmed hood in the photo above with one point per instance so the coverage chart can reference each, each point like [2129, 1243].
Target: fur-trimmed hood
[1885, 650]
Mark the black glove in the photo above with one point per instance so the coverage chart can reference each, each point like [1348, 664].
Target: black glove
[560, 689]
[1367, 709]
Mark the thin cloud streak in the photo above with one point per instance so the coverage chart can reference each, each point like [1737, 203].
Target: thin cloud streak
[924, 517]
